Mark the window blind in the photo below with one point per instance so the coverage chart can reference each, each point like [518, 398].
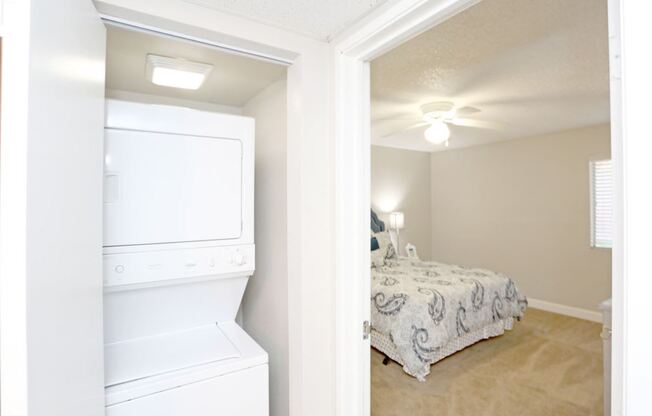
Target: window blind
[602, 194]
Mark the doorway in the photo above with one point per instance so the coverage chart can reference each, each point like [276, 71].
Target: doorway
[237, 88]
[353, 64]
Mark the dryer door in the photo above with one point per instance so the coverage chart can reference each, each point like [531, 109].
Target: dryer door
[164, 188]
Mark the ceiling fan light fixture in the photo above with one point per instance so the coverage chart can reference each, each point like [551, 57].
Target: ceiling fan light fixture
[437, 133]
[438, 110]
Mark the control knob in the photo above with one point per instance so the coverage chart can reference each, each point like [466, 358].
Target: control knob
[238, 259]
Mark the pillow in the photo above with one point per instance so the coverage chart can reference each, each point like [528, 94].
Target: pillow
[385, 249]
[385, 243]
[377, 258]
[374, 243]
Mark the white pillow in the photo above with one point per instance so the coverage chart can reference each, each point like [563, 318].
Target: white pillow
[385, 243]
[385, 251]
[377, 258]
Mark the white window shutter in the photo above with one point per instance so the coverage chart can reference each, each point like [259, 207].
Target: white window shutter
[602, 194]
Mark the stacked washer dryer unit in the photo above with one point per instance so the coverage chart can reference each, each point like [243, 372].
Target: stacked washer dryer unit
[178, 251]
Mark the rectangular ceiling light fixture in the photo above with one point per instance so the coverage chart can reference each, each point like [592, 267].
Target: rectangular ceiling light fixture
[176, 73]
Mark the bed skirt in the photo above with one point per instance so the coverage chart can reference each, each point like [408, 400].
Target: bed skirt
[382, 343]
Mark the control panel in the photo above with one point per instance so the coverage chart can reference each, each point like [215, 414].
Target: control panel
[163, 265]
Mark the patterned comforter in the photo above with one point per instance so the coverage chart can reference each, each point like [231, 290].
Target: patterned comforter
[421, 306]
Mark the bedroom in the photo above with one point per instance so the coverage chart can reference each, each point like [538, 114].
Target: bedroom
[518, 110]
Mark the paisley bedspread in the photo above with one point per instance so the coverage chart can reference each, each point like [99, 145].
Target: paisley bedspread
[422, 305]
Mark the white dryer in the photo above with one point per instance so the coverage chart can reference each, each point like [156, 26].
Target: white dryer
[178, 251]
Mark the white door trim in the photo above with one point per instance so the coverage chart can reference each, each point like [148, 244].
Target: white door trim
[384, 29]
[295, 120]
[204, 38]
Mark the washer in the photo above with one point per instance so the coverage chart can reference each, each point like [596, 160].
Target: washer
[178, 252]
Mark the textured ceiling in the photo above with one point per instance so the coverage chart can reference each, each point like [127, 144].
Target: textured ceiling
[234, 79]
[531, 67]
[318, 19]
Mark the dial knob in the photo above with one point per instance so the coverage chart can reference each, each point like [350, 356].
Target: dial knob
[238, 259]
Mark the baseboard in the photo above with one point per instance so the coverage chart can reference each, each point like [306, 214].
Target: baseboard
[565, 310]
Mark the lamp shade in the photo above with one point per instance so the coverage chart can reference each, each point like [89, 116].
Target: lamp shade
[396, 220]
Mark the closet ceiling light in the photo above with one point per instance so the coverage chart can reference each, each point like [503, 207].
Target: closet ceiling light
[176, 73]
[437, 133]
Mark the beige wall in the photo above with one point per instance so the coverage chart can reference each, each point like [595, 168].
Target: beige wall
[265, 305]
[400, 181]
[522, 207]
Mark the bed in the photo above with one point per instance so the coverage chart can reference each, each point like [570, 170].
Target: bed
[424, 311]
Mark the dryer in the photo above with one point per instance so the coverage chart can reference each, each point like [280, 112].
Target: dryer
[178, 252]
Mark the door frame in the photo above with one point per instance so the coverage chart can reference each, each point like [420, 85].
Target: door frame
[299, 56]
[311, 325]
[372, 37]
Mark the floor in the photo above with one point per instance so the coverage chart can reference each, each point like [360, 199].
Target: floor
[548, 364]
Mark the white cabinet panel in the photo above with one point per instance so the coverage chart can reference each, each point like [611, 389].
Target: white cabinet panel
[163, 188]
[242, 393]
[138, 358]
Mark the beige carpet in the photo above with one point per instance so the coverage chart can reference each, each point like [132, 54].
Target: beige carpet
[548, 365]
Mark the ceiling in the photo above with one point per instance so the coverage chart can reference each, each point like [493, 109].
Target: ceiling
[531, 66]
[318, 19]
[234, 80]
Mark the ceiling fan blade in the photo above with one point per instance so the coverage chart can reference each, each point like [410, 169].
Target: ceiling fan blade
[467, 110]
[478, 124]
[386, 126]
[412, 127]
[396, 118]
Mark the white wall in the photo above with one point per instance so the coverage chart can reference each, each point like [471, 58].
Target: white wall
[522, 207]
[265, 305]
[51, 209]
[400, 181]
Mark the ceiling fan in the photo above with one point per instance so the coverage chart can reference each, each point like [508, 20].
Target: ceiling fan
[438, 115]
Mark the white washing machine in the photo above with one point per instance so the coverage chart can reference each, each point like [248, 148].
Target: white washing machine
[178, 251]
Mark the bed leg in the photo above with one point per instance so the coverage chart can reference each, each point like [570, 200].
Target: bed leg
[386, 360]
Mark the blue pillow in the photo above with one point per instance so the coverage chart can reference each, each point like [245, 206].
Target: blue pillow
[374, 244]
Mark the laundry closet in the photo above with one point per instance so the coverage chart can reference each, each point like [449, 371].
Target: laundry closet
[190, 130]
